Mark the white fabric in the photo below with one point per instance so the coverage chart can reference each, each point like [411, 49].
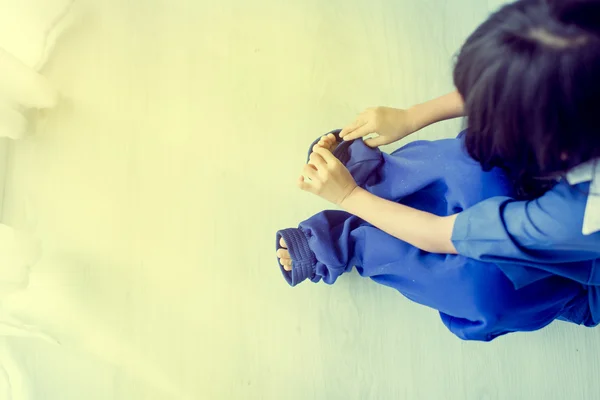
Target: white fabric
[589, 172]
[30, 28]
[28, 32]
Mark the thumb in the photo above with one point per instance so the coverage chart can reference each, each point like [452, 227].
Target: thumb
[376, 142]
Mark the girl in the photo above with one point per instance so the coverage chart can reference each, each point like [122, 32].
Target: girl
[509, 242]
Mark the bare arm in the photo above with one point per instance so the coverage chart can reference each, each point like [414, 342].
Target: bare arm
[423, 230]
[442, 108]
[392, 124]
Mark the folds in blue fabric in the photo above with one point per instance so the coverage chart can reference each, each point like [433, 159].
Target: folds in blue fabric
[475, 299]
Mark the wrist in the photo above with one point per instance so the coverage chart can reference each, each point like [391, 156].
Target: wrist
[414, 117]
[350, 198]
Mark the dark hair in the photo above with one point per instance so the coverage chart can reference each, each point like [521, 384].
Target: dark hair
[530, 80]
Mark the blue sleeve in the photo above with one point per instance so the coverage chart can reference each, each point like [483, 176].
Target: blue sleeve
[543, 234]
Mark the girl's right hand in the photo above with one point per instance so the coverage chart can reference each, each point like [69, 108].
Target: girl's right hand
[391, 124]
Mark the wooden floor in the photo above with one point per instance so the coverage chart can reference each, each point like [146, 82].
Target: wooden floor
[158, 184]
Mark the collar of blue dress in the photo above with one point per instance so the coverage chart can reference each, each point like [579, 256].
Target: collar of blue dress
[589, 172]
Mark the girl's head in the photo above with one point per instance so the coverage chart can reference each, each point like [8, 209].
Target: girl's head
[530, 80]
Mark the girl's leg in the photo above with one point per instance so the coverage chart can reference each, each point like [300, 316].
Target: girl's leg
[437, 177]
[475, 300]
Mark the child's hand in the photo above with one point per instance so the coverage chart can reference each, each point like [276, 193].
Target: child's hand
[327, 176]
[391, 124]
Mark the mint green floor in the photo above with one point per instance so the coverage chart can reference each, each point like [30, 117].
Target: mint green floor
[157, 186]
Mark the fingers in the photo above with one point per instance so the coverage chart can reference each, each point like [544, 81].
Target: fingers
[310, 172]
[361, 131]
[350, 129]
[325, 154]
[302, 184]
[317, 160]
[376, 141]
[318, 170]
[282, 243]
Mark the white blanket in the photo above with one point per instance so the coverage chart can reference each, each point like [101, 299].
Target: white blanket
[28, 32]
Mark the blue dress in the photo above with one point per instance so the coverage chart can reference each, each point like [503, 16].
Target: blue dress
[495, 285]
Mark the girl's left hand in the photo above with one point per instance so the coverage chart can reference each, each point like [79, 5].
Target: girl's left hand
[327, 176]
